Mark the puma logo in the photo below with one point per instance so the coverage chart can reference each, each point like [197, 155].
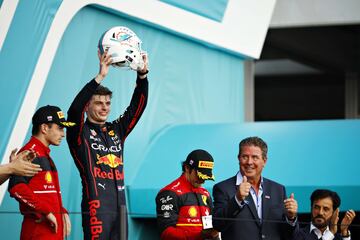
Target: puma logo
[101, 185]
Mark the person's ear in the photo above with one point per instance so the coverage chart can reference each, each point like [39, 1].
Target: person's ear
[87, 107]
[187, 169]
[44, 128]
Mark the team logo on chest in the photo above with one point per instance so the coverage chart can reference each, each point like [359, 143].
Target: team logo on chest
[109, 159]
[192, 212]
[93, 133]
[48, 177]
[204, 199]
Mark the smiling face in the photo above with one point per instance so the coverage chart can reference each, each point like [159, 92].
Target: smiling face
[251, 162]
[321, 212]
[98, 108]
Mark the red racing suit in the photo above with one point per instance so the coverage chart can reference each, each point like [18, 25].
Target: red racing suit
[38, 196]
[179, 208]
[98, 154]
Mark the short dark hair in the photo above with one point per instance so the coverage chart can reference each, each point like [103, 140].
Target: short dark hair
[325, 193]
[36, 128]
[183, 164]
[103, 91]
[254, 141]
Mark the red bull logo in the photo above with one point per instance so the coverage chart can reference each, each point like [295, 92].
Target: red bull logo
[96, 227]
[110, 159]
[98, 173]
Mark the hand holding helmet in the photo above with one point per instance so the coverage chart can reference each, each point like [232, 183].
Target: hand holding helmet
[124, 47]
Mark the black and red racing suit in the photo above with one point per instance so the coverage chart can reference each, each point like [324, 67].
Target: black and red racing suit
[38, 196]
[180, 208]
[98, 154]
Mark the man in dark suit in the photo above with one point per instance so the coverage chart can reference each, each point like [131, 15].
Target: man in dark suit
[249, 206]
[324, 218]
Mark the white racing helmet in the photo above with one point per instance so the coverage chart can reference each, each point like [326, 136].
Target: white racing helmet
[124, 47]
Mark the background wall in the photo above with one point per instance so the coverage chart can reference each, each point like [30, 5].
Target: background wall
[196, 100]
[189, 83]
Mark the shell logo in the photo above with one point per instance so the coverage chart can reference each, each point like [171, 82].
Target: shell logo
[192, 212]
[48, 177]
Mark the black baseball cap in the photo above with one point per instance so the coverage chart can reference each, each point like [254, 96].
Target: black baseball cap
[50, 114]
[203, 162]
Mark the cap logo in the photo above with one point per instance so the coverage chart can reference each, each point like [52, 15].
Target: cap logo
[204, 176]
[191, 162]
[206, 164]
[49, 118]
[60, 114]
[68, 124]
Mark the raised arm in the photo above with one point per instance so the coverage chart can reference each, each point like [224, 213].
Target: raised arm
[76, 111]
[133, 112]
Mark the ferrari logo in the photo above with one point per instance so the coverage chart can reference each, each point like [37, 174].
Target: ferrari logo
[204, 198]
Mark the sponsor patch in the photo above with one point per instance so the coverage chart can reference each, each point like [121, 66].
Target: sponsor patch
[166, 215]
[96, 227]
[109, 159]
[68, 124]
[192, 212]
[48, 177]
[102, 185]
[204, 199]
[165, 199]
[167, 207]
[60, 114]
[98, 173]
[206, 164]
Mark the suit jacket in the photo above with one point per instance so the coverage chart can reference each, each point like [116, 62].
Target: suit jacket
[305, 234]
[243, 223]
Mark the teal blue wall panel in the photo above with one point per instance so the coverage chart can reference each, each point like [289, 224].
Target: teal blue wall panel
[303, 155]
[211, 9]
[195, 101]
[19, 54]
[189, 84]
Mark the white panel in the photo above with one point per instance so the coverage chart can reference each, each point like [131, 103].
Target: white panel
[291, 13]
[242, 31]
[7, 11]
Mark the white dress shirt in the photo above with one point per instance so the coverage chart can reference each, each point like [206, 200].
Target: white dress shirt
[326, 235]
